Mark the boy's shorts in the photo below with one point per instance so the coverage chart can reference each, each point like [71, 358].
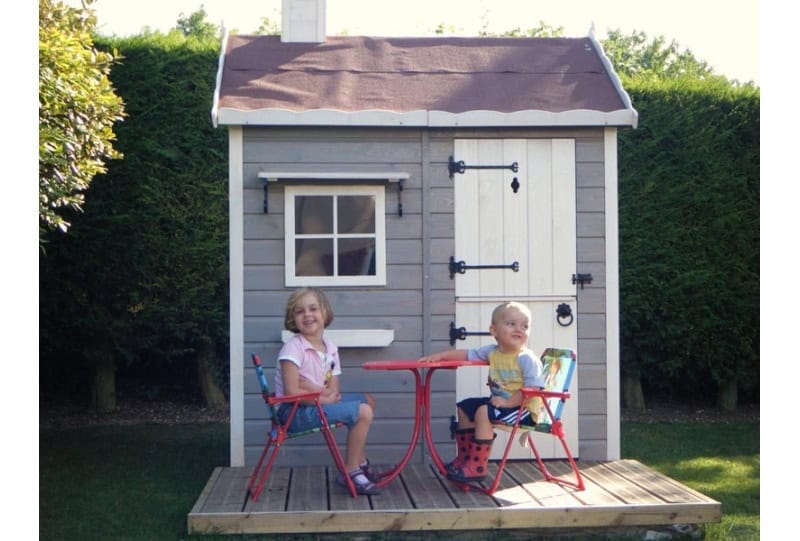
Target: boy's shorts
[496, 415]
[307, 417]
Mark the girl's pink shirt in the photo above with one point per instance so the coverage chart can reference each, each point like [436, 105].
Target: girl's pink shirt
[309, 363]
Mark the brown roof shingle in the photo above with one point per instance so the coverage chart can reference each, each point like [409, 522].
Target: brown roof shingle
[405, 75]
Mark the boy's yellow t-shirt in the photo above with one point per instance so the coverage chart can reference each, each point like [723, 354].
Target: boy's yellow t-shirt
[508, 372]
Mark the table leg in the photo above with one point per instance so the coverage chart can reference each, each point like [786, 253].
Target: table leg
[420, 394]
[428, 438]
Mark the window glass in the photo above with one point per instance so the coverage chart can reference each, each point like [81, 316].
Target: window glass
[313, 214]
[356, 214]
[356, 257]
[313, 257]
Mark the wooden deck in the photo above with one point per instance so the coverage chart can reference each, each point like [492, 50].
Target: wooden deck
[621, 493]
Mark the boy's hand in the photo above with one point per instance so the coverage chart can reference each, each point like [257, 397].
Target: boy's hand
[498, 402]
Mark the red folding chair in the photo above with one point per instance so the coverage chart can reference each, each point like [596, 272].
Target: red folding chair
[279, 433]
[558, 366]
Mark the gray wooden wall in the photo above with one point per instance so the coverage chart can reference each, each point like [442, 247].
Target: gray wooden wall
[418, 301]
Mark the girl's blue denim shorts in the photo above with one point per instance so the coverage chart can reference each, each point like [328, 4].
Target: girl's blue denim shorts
[307, 417]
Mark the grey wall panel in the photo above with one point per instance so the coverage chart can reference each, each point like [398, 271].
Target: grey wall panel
[592, 326]
[591, 200]
[592, 299]
[592, 376]
[592, 351]
[591, 224]
[591, 250]
[591, 427]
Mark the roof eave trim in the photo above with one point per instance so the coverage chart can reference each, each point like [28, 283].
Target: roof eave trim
[218, 84]
[615, 80]
[421, 118]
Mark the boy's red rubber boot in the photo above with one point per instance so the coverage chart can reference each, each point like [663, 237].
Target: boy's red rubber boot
[475, 467]
[463, 439]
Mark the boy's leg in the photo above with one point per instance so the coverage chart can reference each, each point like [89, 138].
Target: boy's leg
[483, 426]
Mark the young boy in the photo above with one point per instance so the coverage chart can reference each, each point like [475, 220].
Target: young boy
[511, 366]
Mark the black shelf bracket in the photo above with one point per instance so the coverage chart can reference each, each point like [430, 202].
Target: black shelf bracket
[460, 333]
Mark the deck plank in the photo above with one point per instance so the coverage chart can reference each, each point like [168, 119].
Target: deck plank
[666, 488]
[510, 489]
[229, 492]
[393, 496]
[340, 498]
[619, 486]
[533, 481]
[274, 494]
[594, 494]
[308, 489]
[425, 488]
[465, 499]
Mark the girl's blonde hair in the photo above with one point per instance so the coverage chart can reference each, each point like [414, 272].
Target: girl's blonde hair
[295, 297]
[501, 309]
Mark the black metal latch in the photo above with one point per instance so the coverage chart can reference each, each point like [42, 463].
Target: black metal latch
[582, 279]
[459, 167]
[460, 333]
[461, 267]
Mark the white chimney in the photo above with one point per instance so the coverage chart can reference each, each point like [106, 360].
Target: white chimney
[303, 21]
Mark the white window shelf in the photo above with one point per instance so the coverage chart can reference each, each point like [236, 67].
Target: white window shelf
[353, 338]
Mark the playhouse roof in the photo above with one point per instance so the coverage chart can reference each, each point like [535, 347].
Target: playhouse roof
[436, 82]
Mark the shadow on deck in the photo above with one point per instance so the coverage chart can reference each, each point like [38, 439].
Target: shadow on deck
[622, 493]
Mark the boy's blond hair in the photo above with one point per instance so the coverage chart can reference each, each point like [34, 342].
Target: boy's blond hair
[501, 309]
[295, 297]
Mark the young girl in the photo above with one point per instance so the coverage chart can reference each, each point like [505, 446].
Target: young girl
[309, 362]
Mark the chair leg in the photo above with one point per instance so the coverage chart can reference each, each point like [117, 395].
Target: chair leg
[257, 469]
[578, 483]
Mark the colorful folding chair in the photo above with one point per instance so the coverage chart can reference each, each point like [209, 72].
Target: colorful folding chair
[279, 433]
[558, 367]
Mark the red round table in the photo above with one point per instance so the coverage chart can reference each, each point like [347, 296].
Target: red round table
[422, 404]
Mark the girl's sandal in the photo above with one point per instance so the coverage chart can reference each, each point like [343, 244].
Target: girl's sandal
[363, 485]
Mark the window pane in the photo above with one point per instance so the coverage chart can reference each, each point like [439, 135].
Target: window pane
[313, 214]
[356, 257]
[356, 214]
[313, 257]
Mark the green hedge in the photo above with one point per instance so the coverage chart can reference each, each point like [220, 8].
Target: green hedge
[689, 237]
[142, 276]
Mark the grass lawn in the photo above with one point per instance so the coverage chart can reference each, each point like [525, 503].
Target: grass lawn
[721, 460]
[140, 481]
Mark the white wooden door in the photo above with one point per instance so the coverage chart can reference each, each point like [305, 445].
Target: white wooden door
[534, 227]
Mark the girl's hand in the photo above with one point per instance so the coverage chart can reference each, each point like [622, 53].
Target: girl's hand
[330, 396]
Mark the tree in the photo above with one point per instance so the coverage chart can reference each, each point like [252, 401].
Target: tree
[196, 25]
[633, 55]
[77, 111]
[542, 31]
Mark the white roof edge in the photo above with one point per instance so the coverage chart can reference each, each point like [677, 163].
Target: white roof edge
[624, 96]
[421, 118]
[218, 84]
[575, 117]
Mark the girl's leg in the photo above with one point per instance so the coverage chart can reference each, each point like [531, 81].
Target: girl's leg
[357, 438]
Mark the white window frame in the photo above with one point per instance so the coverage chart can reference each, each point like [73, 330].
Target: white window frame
[378, 192]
